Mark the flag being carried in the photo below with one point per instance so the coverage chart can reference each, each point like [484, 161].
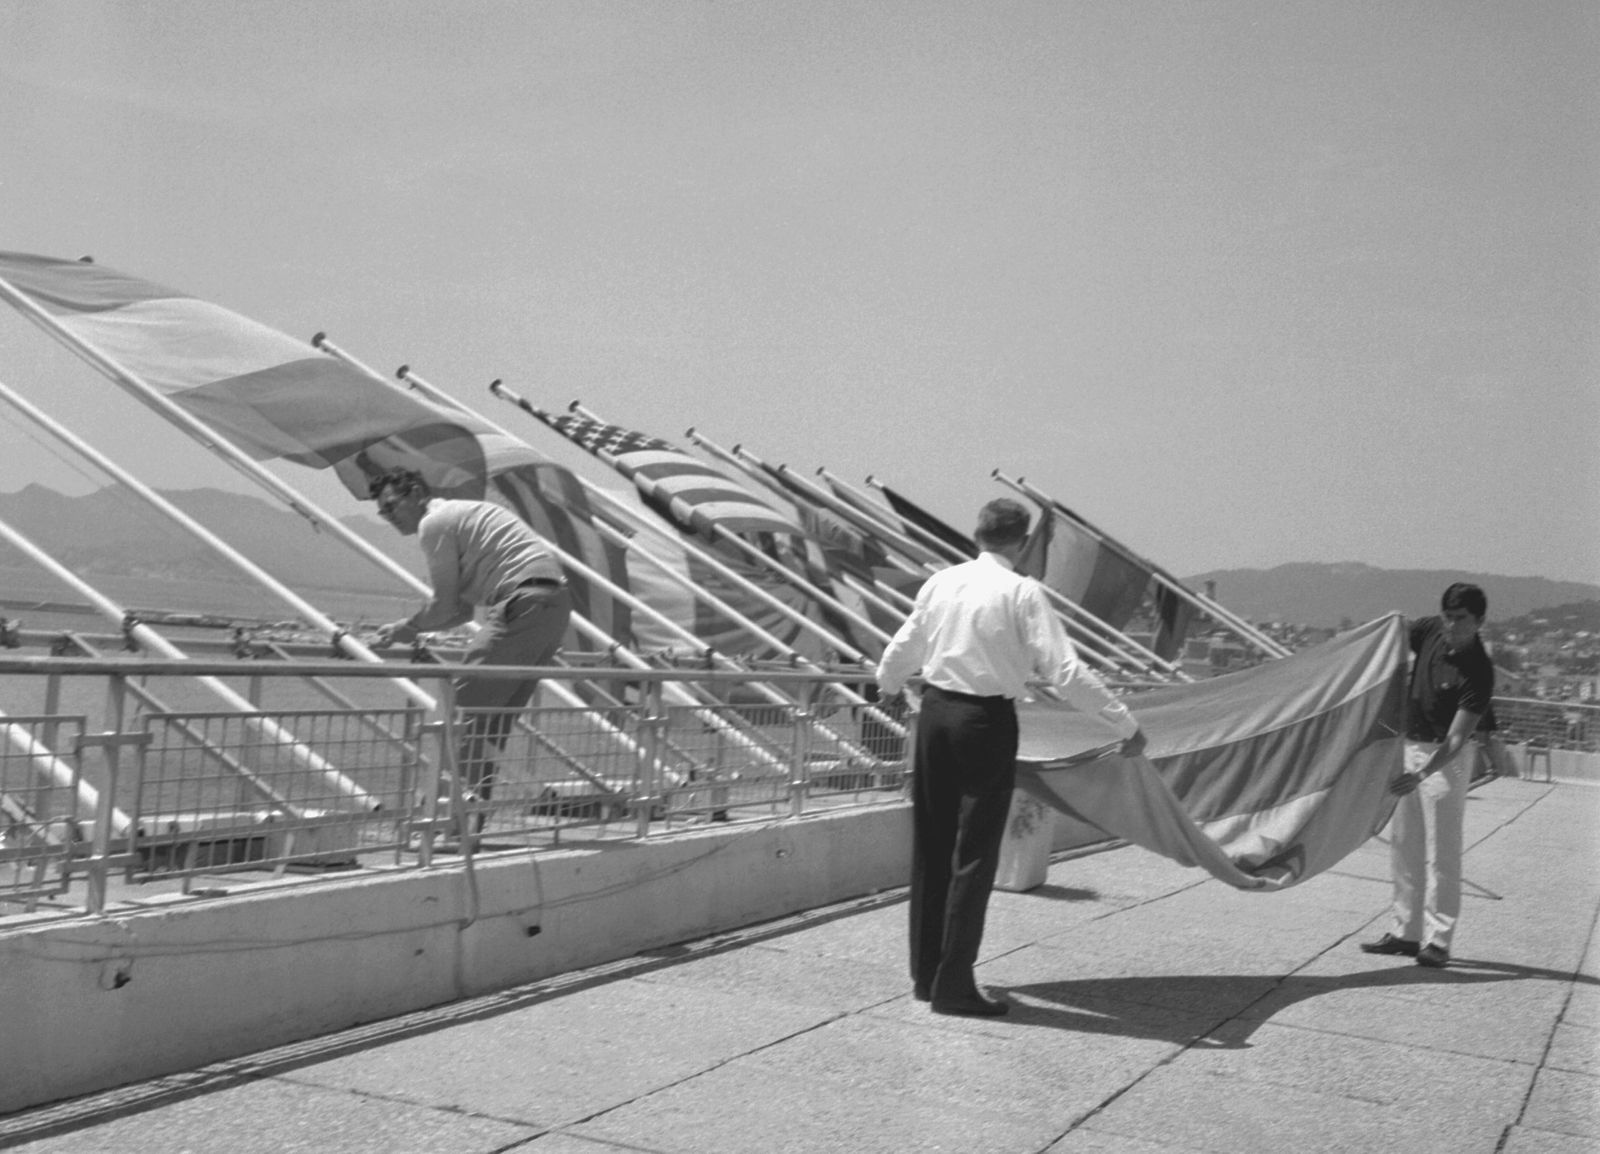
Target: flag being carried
[1263, 778]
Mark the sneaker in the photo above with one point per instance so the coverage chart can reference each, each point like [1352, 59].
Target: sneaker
[1434, 957]
[1389, 944]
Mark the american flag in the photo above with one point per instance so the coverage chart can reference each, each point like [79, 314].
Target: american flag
[685, 490]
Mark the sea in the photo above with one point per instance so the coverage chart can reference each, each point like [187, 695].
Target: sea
[199, 616]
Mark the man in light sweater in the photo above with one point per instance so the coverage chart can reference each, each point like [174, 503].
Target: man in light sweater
[479, 554]
[979, 632]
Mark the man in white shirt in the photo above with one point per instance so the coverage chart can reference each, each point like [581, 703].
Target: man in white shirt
[979, 632]
[479, 553]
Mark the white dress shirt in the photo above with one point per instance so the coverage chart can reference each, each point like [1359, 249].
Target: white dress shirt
[982, 629]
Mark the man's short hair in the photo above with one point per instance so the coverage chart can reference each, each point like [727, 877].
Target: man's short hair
[1002, 522]
[1464, 596]
[403, 481]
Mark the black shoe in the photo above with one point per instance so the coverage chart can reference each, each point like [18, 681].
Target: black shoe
[972, 1006]
[1434, 957]
[921, 993]
[1389, 944]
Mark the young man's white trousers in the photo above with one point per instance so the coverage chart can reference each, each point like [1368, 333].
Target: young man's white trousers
[1425, 848]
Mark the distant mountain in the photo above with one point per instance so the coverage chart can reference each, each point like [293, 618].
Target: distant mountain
[1308, 593]
[112, 532]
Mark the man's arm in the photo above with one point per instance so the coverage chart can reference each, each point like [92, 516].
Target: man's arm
[1462, 727]
[1056, 661]
[445, 608]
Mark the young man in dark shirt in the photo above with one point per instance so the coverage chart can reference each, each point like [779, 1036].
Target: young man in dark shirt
[1452, 682]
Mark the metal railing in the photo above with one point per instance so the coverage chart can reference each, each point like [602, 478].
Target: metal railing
[136, 786]
[1544, 724]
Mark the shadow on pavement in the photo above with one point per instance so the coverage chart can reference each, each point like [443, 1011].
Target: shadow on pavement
[1212, 1011]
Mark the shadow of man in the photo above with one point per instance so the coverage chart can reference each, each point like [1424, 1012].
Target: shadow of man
[1214, 1011]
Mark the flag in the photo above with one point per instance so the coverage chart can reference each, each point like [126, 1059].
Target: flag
[907, 546]
[1174, 613]
[690, 494]
[915, 515]
[1084, 569]
[276, 398]
[1263, 778]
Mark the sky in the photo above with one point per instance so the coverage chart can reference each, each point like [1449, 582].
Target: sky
[1243, 283]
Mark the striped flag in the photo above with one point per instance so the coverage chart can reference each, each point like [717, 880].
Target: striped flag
[276, 398]
[916, 516]
[1084, 569]
[1263, 778]
[690, 494]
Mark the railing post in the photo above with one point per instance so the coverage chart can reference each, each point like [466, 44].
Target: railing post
[800, 757]
[651, 721]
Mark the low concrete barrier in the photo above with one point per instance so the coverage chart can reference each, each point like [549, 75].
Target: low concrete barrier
[96, 1002]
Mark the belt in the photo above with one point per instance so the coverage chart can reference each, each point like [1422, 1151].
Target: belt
[539, 583]
[972, 697]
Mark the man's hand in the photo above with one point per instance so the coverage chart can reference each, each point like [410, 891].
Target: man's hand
[1404, 783]
[394, 633]
[1133, 746]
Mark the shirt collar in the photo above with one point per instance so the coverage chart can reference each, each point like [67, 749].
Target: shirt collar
[996, 559]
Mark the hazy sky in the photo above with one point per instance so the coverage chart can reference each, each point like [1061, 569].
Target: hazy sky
[1243, 282]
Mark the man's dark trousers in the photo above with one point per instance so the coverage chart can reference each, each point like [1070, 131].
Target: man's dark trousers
[966, 767]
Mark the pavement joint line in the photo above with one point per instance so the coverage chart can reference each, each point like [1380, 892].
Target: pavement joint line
[1550, 1038]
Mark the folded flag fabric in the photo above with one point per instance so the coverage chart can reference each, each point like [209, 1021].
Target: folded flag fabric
[1263, 778]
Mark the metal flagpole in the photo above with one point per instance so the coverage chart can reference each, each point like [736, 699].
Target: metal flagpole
[674, 690]
[147, 637]
[268, 727]
[1249, 632]
[1106, 641]
[760, 558]
[633, 516]
[498, 389]
[1093, 629]
[931, 540]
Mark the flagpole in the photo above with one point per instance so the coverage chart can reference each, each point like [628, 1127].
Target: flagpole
[627, 656]
[1111, 645]
[229, 554]
[498, 389]
[1205, 604]
[869, 511]
[764, 475]
[674, 690]
[148, 638]
[756, 555]
[1073, 614]
[231, 454]
[944, 548]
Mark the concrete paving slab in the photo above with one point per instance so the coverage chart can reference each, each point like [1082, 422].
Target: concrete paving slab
[1565, 1103]
[1575, 1049]
[742, 1108]
[564, 1058]
[1033, 1069]
[278, 1117]
[769, 971]
[1229, 1116]
[1359, 1068]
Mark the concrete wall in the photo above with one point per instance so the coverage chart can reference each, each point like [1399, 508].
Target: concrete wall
[97, 1002]
[1571, 766]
